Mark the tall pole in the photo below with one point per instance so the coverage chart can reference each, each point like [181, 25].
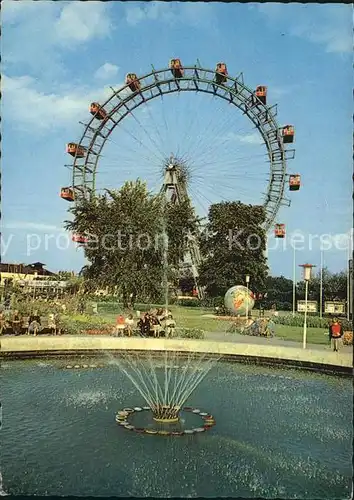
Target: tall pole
[321, 284]
[247, 305]
[348, 278]
[305, 316]
[294, 280]
[247, 281]
[307, 276]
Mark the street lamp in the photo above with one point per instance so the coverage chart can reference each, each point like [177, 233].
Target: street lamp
[247, 282]
[307, 268]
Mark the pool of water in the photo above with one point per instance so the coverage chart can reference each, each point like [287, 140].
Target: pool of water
[279, 433]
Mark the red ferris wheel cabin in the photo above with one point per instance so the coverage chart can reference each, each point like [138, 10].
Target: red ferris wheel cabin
[279, 230]
[133, 82]
[67, 194]
[97, 111]
[75, 150]
[261, 93]
[294, 182]
[176, 68]
[221, 73]
[288, 133]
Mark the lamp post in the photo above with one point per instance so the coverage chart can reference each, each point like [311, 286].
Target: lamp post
[294, 281]
[321, 284]
[349, 273]
[247, 282]
[307, 268]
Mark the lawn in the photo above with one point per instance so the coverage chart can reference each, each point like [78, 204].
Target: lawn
[193, 317]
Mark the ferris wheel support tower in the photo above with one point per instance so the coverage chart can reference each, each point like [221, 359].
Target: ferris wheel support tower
[175, 189]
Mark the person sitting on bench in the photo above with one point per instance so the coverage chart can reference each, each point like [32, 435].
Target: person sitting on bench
[16, 322]
[120, 326]
[170, 326]
[34, 323]
[52, 323]
[129, 322]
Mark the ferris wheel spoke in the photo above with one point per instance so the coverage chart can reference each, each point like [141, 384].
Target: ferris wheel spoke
[197, 143]
[140, 142]
[200, 134]
[148, 135]
[212, 147]
[216, 129]
[242, 159]
[199, 199]
[156, 128]
[230, 193]
[189, 134]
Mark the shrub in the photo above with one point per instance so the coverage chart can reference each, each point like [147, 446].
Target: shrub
[237, 326]
[81, 324]
[190, 333]
[312, 321]
[348, 338]
[188, 303]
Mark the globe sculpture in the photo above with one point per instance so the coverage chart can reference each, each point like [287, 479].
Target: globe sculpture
[237, 298]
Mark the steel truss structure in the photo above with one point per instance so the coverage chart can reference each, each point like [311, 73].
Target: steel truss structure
[123, 102]
[175, 189]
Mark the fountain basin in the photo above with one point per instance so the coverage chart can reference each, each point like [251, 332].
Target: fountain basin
[280, 433]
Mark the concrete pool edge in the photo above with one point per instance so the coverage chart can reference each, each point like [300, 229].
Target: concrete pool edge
[31, 347]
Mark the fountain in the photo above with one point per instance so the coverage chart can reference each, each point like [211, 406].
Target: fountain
[165, 386]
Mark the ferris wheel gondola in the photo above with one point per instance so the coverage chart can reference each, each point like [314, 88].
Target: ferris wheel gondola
[140, 90]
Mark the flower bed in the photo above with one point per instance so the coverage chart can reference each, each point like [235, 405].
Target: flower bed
[348, 338]
[98, 331]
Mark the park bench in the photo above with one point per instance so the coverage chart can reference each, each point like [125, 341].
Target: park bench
[7, 328]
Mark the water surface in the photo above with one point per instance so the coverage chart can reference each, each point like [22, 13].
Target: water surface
[279, 433]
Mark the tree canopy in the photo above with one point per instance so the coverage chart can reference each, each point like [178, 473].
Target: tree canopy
[334, 286]
[233, 245]
[135, 238]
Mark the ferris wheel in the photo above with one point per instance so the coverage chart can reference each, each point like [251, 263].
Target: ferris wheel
[264, 177]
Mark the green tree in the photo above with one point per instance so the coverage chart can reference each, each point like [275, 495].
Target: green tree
[136, 239]
[279, 292]
[233, 246]
[334, 286]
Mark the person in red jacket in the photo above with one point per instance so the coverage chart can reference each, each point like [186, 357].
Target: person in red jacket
[336, 333]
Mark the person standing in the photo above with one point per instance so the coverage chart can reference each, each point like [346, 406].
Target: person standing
[336, 333]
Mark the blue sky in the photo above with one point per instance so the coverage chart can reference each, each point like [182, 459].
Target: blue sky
[60, 56]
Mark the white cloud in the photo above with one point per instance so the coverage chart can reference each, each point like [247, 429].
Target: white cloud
[253, 138]
[250, 138]
[106, 71]
[195, 14]
[14, 11]
[34, 226]
[35, 31]
[36, 111]
[82, 21]
[328, 25]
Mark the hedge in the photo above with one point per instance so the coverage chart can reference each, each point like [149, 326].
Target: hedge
[190, 333]
[312, 321]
